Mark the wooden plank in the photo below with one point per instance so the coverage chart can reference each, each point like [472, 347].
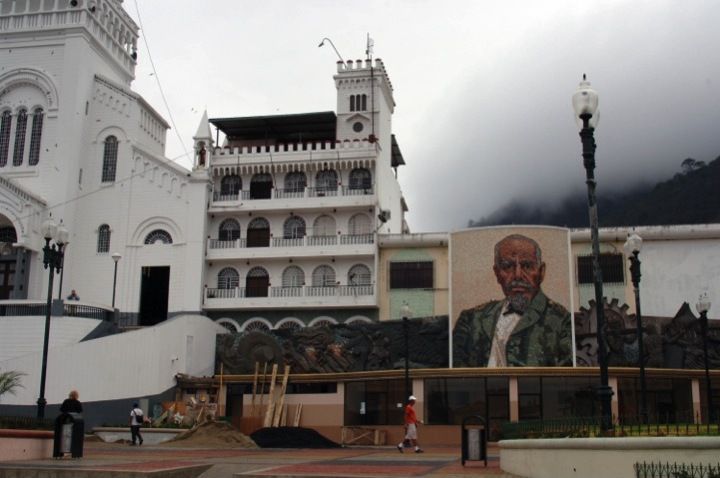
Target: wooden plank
[262, 390]
[254, 389]
[271, 398]
[281, 398]
[298, 411]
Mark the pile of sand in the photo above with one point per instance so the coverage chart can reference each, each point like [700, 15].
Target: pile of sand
[212, 434]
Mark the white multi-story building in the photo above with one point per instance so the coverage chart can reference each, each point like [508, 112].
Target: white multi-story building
[297, 203]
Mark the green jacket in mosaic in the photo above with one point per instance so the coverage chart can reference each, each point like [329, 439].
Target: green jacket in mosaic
[541, 338]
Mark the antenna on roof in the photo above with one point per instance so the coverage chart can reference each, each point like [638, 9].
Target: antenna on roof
[369, 48]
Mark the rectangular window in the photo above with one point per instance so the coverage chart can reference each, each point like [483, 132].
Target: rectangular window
[411, 275]
[611, 265]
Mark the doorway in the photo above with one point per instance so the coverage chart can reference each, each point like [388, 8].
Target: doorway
[154, 289]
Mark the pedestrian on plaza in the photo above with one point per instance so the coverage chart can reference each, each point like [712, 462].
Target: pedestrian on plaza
[411, 423]
[136, 420]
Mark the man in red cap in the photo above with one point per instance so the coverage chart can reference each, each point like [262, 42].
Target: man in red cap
[411, 422]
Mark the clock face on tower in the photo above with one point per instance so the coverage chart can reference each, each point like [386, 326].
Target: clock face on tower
[357, 126]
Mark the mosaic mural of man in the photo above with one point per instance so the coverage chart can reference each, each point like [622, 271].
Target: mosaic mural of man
[526, 328]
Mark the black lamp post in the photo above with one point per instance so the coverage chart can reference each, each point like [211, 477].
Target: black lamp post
[632, 252]
[585, 102]
[702, 306]
[406, 312]
[53, 260]
[116, 258]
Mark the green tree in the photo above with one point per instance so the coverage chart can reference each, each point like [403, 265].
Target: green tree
[10, 381]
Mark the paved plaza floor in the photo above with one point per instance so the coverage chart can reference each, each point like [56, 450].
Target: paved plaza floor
[116, 461]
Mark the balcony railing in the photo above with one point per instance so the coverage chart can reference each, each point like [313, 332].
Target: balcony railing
[297, 193]
[297, 291]
[344, 239]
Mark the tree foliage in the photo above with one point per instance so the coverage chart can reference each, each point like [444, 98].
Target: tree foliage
[689, 197]
[10, 381]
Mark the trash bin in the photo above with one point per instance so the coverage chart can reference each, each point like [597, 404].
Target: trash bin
[69, 435]
[474, 439]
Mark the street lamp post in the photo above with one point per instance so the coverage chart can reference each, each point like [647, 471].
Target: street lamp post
[703, 305]
[116, 258]
[62, 271]
[632, 252]
[53, 261]
[406, 314]
[585, 102]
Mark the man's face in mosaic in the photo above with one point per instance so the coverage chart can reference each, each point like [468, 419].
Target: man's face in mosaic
[519, 271]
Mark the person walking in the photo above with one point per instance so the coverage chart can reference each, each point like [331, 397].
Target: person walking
[411, 423]
[136, 420]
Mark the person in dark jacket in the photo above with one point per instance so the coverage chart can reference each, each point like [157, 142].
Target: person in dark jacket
[71, 404]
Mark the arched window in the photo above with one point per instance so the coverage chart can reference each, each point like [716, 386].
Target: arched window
[258, 233]
[35, 137]
[360, 178]
[228, 278]
[324, 226]
[110, 154]
[230, 185]
[158, 236]
[358, 275]
[293, 276]
[326, 181]
[103, 242]
[352, 102]
[295, 182]
[20, 129]
[257, 283]
[323, 276]
[359, 224]
[363, 106]
[294, 228]
[322, 322]
[5, 121]
[261, 186]
[229, 230]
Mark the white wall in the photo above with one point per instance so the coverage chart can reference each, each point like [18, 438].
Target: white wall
[676, 271]
[24, 335]
[127, 365]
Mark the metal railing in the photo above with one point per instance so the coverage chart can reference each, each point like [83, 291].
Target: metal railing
[344, 239]
[297, 291]
[322, 191]
[70, 309]
[27, 423]
[297, 193]
[675, 470]
[677, 424]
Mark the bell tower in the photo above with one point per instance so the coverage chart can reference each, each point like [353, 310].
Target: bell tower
[364, 101]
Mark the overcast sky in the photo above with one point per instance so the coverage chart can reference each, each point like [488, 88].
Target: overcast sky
[482, 88]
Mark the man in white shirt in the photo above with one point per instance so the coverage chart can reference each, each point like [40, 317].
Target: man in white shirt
[136, 420]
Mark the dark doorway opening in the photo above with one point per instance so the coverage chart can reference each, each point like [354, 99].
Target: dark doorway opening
[154, 288]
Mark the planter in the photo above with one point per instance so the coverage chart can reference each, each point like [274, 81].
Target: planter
[601, 457]
[151, 436]
[25, 444]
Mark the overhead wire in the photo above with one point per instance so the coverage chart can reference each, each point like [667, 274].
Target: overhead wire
[101, 188]
[157, 80]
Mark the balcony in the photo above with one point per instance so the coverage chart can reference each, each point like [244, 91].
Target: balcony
[308, 246]
[301, 296]
[297, 199]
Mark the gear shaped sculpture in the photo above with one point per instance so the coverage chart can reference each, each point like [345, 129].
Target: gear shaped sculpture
[620, 335]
